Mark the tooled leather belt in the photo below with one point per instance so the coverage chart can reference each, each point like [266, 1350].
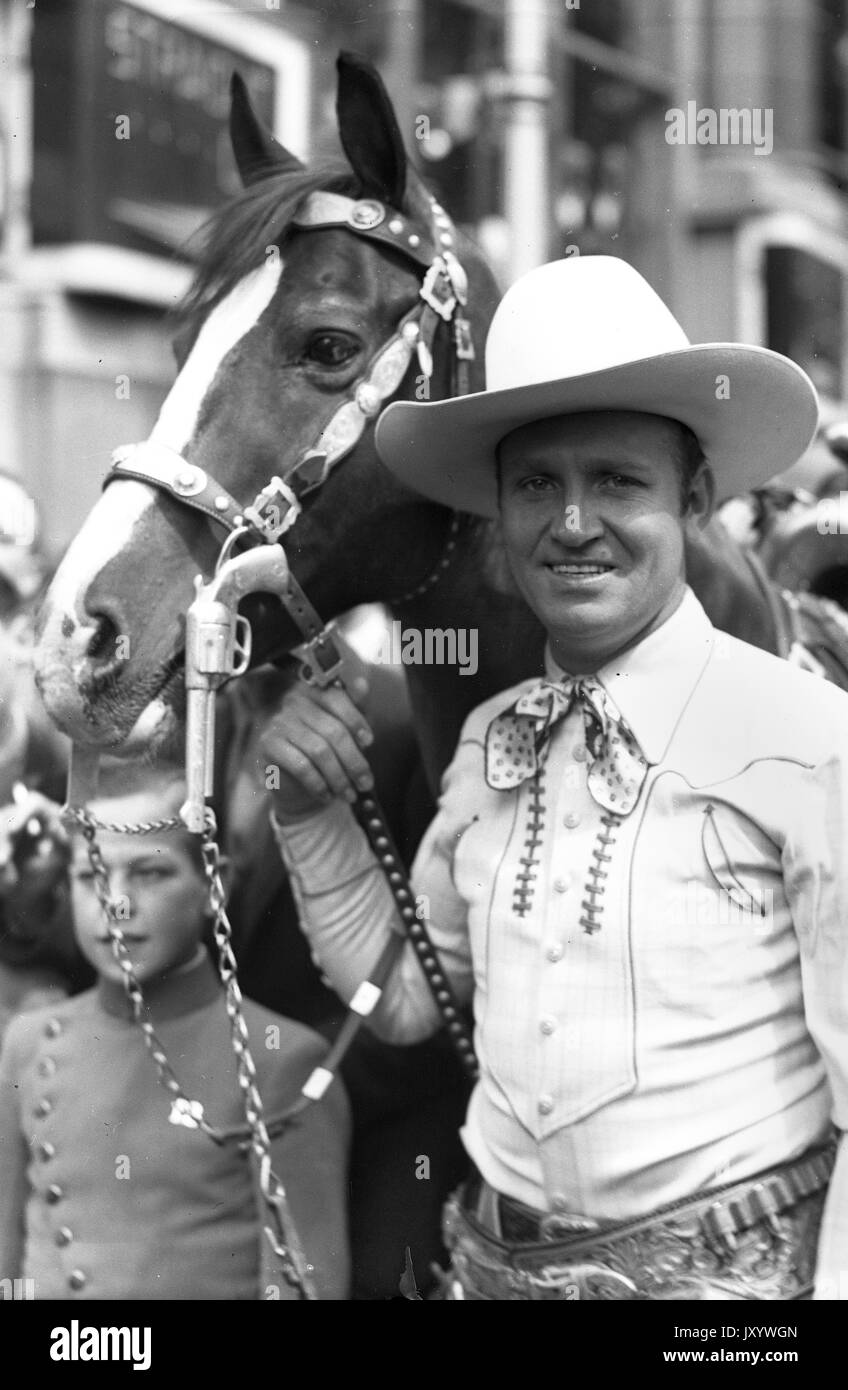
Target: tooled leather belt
[754, 1239]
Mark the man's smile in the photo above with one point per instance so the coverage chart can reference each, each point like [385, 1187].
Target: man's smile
[579, 570]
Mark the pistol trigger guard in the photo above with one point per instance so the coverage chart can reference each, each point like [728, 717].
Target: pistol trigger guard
[242, 645]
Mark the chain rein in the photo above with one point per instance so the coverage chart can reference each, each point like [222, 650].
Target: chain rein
[283, 1239]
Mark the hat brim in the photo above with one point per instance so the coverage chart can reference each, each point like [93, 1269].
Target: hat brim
[753, 411]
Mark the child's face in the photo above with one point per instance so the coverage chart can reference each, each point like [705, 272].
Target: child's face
[157, 885]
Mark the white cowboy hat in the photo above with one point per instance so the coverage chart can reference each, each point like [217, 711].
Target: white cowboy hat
[589, 333]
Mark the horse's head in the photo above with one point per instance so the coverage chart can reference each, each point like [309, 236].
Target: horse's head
[304, 319]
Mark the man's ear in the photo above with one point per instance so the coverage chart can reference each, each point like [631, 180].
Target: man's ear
[701, 498]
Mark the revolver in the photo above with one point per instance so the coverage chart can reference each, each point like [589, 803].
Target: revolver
[218, 646]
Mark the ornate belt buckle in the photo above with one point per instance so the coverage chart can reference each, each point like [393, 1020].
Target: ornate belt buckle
[556, 1224]
[587, 1281]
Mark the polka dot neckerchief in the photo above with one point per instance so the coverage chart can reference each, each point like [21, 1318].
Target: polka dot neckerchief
[517, 740]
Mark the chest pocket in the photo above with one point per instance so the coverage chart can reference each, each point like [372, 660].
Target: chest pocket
[741, 867]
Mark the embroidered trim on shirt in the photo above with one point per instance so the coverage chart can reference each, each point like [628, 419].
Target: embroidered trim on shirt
[525, 879]
[590, 920]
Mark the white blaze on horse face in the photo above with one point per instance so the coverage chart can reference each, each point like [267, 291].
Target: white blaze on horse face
[227, 324]
[112, 522]
[107, 529]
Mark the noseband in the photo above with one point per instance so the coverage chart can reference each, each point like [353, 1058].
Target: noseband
[442, 298]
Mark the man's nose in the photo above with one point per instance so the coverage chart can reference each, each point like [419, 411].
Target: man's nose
[578, 518]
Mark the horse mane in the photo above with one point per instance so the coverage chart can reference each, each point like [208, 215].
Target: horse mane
[235, 239]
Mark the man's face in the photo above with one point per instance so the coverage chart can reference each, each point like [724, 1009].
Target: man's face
[157, 885]
[591, 513]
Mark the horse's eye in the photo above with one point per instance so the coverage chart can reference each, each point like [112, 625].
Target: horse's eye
[331, 349]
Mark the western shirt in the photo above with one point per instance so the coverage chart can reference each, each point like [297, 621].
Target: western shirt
[660, 1000]
[102, 1198]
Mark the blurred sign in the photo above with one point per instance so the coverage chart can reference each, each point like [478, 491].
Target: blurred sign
[130, 115]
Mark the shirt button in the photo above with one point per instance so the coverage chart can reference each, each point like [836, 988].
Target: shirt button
[545, 1105]
[53, 1028]
[547, 1025]
[559, 1201]
[77, 1279]
[562, 885]
[555, 952]
[579, 753]
[43, 1108]
[45, 1152]
[47, 1067]
[54, 1194]
[63, 1236]
[571, 820]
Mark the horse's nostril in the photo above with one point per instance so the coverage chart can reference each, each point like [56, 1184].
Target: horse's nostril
[103, 644]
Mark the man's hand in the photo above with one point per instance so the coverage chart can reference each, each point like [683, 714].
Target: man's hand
[315, 740]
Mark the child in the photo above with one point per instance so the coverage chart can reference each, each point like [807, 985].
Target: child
[100, 1196]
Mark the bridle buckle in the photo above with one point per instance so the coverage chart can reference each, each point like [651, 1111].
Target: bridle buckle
[438, 291]
[320, 659]
[274, 510]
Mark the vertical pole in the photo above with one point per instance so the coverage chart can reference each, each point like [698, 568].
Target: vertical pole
[15, 129]
[688, 19]
[528, 41]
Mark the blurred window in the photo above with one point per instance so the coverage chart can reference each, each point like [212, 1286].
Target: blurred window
[805, 314]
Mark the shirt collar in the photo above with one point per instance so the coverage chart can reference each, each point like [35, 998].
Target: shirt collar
[179, 992]
[652, 682]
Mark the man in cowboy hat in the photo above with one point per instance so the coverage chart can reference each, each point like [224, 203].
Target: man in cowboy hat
[636, 870]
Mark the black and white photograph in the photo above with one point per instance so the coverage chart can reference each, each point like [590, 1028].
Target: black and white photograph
[424, 670]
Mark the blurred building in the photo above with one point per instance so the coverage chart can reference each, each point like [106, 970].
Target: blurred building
[742, 225]
[113, 150]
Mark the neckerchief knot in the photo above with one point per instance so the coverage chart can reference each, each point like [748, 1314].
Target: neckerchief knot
[517, 741]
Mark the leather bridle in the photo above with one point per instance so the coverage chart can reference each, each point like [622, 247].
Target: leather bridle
[442, 299]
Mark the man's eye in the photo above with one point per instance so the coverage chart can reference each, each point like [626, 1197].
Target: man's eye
[331, 349]
[618, 480]
[535, 484]
[152, 871]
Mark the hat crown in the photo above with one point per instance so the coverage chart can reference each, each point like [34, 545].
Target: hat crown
[573, 316]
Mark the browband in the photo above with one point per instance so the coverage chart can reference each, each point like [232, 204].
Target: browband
[372, 219]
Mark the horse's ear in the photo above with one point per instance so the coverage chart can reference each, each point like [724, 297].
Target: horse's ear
[369, 131]
[256, 151]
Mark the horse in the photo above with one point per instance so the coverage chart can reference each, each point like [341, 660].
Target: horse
[310, 282]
